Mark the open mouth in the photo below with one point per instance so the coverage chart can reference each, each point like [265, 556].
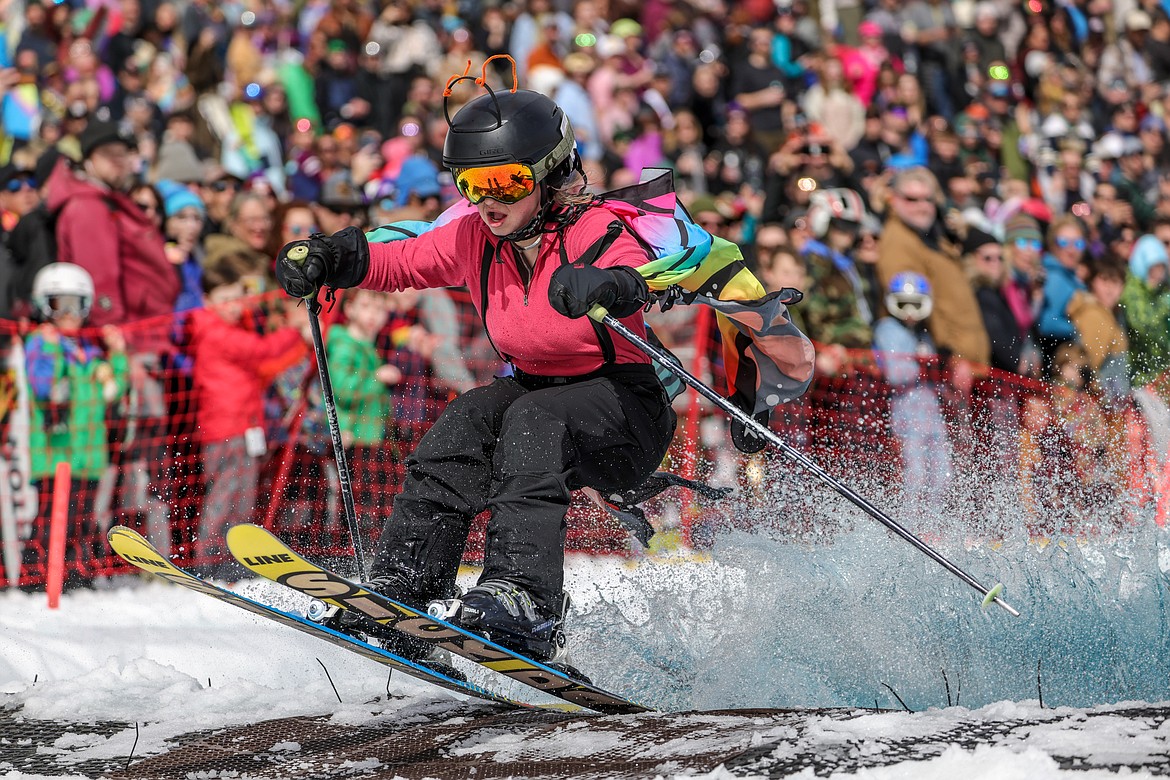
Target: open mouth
[494, 218]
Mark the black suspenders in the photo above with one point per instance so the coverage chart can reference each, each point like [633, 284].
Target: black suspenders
[588, 257]
[489, 253]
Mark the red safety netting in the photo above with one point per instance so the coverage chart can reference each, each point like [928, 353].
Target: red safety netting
[131, 435]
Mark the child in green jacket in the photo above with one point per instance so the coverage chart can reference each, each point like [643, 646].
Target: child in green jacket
[360, 379]
[72, 383]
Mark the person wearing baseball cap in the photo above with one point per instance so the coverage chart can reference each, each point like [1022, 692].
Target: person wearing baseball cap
[1124, 60]
[101, 133]
[31, 241]
[100, 228]
[18, 194]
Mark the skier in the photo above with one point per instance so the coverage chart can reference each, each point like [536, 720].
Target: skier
[581, 409]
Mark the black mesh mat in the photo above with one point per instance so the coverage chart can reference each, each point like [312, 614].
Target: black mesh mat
[447, 740]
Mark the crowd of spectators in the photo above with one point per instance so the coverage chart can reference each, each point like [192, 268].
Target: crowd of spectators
[1014, 154]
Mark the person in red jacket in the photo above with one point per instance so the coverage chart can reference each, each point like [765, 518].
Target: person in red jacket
[100, 228]
[228, 384]
[581, 408]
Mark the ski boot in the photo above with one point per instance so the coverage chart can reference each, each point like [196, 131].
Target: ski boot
[506, 614]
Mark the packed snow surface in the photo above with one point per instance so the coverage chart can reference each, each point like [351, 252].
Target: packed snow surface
[854, 620]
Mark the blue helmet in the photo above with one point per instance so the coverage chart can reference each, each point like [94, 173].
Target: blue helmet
[909, 297]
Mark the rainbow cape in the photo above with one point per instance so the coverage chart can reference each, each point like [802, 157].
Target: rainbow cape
[767, 360]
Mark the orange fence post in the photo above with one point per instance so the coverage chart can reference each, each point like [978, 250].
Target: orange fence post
[58, 520]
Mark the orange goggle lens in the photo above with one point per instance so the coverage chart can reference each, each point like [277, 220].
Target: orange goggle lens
[508, 183]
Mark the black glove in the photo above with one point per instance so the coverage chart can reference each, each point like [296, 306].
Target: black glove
[575, 289]
[339, 260]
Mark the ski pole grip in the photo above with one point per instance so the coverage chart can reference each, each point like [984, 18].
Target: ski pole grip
[598, 313]
[299, 254]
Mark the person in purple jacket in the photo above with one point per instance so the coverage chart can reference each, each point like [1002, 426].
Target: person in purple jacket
[581, 409]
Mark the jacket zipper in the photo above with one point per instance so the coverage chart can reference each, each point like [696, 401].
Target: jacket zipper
[525, 276]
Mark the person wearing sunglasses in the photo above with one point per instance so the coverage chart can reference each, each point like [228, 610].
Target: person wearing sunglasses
[18, 195]
[581, 407]
[32, 242]
[217, 192]
[1023, 247]
[1062, 266]
[295, 221]
[984, 258]
[1023, 244]
[914, 238]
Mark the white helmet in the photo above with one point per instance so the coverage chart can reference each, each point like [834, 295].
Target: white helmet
[909, 297]
[838, 203]
[62, 287]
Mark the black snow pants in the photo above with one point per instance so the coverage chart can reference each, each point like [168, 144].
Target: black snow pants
[518, 447]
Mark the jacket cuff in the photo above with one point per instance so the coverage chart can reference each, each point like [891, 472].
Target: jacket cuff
[632, 291]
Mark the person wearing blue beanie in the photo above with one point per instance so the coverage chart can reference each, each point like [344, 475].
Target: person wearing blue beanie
[1149, 253]
[182, 199]
[185, 214]
[417, 181]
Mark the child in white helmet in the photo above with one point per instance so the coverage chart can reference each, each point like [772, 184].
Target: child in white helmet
[904, 353]
[73, 377]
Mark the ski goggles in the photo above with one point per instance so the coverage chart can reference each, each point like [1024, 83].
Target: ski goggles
[62, 305]
[507, 182]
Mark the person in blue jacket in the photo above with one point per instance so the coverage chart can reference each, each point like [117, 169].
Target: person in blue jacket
[1061, 264]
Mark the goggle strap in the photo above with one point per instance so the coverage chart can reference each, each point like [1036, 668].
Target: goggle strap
[561, 151]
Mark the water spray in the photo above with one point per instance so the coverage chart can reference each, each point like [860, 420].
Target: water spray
[990, 595]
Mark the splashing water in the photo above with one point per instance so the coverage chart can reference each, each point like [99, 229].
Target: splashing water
[857, 617]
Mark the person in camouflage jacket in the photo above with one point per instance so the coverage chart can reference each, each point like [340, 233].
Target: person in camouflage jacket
[834, 308]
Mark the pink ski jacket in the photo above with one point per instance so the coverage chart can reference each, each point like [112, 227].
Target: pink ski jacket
[521, 323]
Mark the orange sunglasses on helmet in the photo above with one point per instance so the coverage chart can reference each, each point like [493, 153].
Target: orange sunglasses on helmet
[507, 183]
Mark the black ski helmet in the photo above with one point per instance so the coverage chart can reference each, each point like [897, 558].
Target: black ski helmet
[503, 127]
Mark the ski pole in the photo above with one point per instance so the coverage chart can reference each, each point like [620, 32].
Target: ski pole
[351, 518]
[990, 595]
